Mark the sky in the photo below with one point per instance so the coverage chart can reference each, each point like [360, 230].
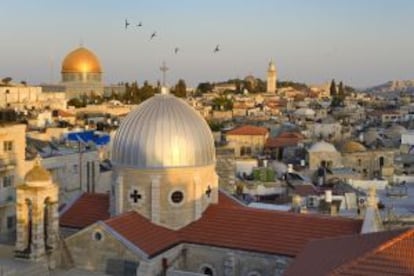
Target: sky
[360, 42]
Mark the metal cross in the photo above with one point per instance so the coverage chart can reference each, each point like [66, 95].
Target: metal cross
[164, 70]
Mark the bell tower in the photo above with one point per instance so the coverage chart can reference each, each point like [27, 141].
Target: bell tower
[271, 78]
[36, 214]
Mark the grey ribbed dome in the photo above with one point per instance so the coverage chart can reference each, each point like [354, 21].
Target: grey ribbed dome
[163, 132]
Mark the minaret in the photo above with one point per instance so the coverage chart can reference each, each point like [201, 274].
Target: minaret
[271, 78]
[36, 214]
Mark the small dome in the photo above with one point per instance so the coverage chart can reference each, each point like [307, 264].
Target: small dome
[37, 174]
[304, 112]
[352, 146]
[322, 146]
[163, 132]
[81, 60]
[395, 131]
[370, 136]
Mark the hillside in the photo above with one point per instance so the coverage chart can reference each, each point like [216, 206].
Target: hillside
[393, 86]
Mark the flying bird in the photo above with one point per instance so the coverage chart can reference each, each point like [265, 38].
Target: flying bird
[176, 50]
[127, 24]
[216, 49]
[139, 24]
[154, 34]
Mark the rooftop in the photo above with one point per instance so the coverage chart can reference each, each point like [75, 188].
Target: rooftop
[248, 130]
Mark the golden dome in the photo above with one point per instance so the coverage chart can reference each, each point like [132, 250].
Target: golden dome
[81, 60]
[352, 146]
[37, 174]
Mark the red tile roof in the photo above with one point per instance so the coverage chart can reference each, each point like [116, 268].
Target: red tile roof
[248, 130]
[334, 252]
[231, 225]
[394, 257]
[149, 237]
[86, 210]
[285, 139]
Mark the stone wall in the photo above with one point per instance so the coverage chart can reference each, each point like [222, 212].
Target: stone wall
[95, 249]
[230, 262]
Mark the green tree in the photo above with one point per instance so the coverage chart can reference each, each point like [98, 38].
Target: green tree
[222, 103]
[332, 88]
[180, 89]
[204, 87]
[341, 91]
[75, 102]
[6, 80]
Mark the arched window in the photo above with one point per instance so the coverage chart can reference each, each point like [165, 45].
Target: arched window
[207, 270]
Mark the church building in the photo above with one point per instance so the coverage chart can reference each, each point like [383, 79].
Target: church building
[165, 214]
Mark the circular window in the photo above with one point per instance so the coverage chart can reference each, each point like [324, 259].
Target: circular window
[97, 236]
[207, 270]
[177, 197]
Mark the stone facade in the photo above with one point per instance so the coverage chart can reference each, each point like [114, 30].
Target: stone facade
[75, 173]
[371, 163]
[247, 145]
[231, 262]
[271, 78]
[21, 96]
[171, 197]
[95, 248]
[37, 215]
[12, 170]
[331, 159]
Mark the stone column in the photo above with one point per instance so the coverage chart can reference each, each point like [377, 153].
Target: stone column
[229, 265]
[22, 224]
[37, 249]
[53, 225]
[198, 197]
[119, 194]
[155, 199]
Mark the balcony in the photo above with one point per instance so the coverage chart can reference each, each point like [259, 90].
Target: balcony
[7, 162]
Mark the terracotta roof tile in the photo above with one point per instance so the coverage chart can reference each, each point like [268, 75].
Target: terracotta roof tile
[285, 139]
[88, 209]
[334, 252]
[266, 231]
[394, 257]
[248, 130]
[149, 237]
[231, 225]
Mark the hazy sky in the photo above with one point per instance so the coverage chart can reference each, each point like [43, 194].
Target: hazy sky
[362, 42]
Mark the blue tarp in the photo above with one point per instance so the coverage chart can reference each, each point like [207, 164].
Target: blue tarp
[100, 139]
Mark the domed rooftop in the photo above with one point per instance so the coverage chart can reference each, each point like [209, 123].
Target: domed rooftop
[163, 132]
[37, 174]
[322, 146]
[81, 60]
[352, 146]
[304, 112]
[395, 131]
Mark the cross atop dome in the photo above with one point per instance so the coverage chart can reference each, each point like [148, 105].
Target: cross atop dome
[164, 70]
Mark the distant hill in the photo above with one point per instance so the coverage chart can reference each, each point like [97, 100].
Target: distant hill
[392, 87]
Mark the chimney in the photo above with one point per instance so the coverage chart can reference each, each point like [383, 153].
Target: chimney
[328, 196]
[296, 203]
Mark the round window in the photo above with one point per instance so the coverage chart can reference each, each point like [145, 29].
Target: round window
[97, 236]
[177, 197]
